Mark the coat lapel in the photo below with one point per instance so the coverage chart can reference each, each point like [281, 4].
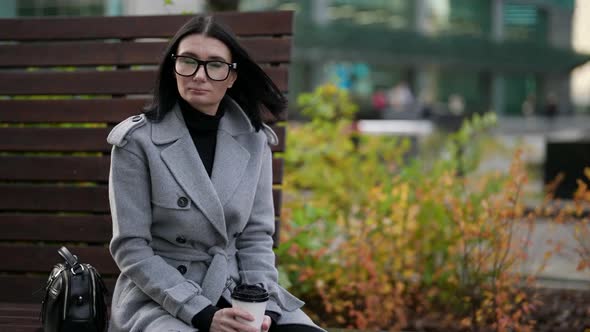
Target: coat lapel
[231, 158]
[229, 165]
[182, 159]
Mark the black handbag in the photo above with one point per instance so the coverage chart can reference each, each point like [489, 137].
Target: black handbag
[74, 297]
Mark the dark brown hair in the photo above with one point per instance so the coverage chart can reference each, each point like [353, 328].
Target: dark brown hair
[253, 90]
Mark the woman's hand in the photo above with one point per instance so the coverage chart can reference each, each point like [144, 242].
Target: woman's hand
[266, 323]
[226, 320]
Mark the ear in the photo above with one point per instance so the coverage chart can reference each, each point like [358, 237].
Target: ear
[233, 76]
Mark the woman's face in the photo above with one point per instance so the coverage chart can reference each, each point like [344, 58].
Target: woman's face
[200, 91]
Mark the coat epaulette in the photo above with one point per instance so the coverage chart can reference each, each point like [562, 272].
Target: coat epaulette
[117, 135]
[271, 137]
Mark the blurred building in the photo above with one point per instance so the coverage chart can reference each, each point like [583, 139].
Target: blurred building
[581, 43]
[407, 58]
[511, 56]
[16, 8]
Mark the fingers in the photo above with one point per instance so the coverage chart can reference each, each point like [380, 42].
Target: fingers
[228, 320]
[266, 323]
[239, 313]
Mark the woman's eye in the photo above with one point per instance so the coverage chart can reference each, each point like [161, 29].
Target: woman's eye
[216, 65]
[188, 61]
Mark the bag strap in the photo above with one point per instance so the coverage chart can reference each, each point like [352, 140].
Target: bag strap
[71, 259]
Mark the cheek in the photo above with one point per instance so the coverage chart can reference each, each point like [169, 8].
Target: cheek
[180, 85]
[220, 89]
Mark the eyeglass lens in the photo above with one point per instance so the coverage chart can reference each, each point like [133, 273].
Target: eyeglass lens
[215, 70]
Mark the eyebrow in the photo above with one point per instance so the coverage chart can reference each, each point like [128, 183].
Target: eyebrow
[214, 57]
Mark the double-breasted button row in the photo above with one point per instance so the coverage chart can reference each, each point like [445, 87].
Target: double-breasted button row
[181, 269]
[182, 201]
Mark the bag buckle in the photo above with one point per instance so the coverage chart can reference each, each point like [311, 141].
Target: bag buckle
[75, 271]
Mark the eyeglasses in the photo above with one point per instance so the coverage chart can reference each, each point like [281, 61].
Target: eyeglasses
[216, 70]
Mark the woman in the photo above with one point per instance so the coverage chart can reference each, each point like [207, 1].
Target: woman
[190, 191]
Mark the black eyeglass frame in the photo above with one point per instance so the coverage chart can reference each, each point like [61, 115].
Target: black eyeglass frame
[204, 63]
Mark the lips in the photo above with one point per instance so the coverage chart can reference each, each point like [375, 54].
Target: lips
[197, 90]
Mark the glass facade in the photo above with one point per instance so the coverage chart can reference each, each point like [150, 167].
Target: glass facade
[524, 22]
[458, 17]
[60, 7]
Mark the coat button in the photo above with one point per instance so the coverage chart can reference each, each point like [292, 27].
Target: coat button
[236, 234]
[181, 269]
[182, 202]
[180, 239]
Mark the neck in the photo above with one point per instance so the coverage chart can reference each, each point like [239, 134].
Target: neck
[209, 110]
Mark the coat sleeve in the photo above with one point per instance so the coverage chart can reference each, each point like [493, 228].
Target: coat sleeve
[255, 255]
[130, 203]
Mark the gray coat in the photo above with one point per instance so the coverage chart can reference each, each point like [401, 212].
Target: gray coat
[181, 239]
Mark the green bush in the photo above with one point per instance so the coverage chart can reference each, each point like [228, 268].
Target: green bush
[376, 239]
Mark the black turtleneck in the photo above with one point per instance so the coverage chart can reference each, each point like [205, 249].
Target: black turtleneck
[203, 130]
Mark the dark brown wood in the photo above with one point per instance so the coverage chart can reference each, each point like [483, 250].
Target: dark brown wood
[42, 258]
[21, 289]
[68, 198]
[19, 309]
[70, 139]
[94, 53]
[111, 82]
[24, 197]
[277, 171]
[56, 228]
[73, 168]
[21, 328]
[70, 110]
[54, 139]
[54, 168]
[242, 23]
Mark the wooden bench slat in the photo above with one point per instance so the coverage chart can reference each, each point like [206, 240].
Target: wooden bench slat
[59, 228]
[27, 289]
[262, 50]
[21, 328]
[110, 110]
[18, 309]
[69, 198]
[32, 227]
[54, 139]
[73, 168]
[55, 168]
[70, 110]
[71, 139]
[164, 26]
[15, 197]
[115, 82]
[31, 320]
[32, 258]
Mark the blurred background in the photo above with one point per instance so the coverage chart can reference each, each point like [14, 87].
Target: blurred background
[420, 67]
[413, 59]
[414, 66]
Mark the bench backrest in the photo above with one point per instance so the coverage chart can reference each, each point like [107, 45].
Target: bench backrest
[64, 83]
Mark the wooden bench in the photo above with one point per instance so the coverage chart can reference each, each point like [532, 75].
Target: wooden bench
[64, 83]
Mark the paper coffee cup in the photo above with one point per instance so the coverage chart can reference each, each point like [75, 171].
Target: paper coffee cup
[253, 299]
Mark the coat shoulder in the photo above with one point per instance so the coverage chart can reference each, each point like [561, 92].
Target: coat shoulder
[271, 136]
[118, 136]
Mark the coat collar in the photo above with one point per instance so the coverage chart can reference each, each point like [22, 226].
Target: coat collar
[229, 165]
[234, 122]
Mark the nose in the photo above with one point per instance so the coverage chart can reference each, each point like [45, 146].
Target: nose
[200, 73]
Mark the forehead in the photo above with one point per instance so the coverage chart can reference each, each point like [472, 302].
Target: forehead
[203, 47]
